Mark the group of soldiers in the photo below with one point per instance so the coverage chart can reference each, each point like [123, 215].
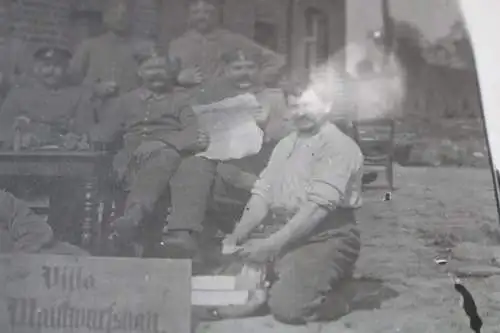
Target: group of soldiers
[117, 90]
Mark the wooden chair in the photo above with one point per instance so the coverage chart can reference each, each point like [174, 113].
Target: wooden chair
[376, 140]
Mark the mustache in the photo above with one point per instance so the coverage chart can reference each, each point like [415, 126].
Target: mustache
[157, 77]
[244, 78]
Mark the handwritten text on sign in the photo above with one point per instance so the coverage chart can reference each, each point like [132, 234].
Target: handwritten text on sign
[49, 294]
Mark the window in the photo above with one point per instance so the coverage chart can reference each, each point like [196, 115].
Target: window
[317, 35]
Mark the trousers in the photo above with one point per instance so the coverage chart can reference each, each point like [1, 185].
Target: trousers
[309, 271]
[189, 180]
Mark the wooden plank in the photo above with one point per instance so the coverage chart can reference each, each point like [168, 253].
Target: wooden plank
[219, 282]
[219, 297]
[49, 294]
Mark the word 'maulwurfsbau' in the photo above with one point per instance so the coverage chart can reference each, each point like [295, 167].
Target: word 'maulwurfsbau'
[26, 313]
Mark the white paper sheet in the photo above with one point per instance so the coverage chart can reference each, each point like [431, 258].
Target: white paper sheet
[232, 128]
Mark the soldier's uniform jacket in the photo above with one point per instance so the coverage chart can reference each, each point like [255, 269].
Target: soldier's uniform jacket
[141, 116]
[107, 58]
[195, 50]
[20, 229]
[52, 113]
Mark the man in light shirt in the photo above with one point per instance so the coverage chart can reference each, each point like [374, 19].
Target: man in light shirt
[306, 198]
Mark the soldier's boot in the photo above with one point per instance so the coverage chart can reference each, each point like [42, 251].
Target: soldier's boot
[181, 244]
[125, 230]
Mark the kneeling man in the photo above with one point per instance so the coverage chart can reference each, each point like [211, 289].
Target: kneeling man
[308, 192]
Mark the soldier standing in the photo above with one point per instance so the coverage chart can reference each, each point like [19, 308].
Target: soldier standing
[199, 49]
[108, 63]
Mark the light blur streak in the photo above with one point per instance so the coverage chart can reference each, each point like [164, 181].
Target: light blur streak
[362, 95]
[483, 24]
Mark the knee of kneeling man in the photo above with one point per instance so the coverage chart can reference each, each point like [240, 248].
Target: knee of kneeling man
[286, 309]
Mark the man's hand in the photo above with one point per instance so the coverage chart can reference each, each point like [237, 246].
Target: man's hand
[235, 240]
[71, 141]
[260, 114]
[28, 140]
[147, 148]
[190, 77]
[83, 143]
[105, 89]
[230, 245]
[21, 123]
[259, 251]
[202, 142]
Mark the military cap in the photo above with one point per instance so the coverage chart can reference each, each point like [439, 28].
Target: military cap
[241, 55]
[144, 50]
[155, 60]
[57, 54]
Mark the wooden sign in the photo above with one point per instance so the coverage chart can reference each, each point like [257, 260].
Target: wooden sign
[49, 294]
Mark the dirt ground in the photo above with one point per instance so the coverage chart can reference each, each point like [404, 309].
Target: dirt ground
[432, 209]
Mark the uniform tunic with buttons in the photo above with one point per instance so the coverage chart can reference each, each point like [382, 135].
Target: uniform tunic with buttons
[170, 125]
[52, 113]
[106, 58]
[204, 51]
[141, 116]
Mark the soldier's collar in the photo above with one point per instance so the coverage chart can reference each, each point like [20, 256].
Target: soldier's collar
[146, 95]
[53, 90]
[211, 35]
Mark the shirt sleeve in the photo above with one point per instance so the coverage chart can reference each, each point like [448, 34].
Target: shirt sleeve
[331, 175]
[28, 231]
[262, 186]
[236, 177]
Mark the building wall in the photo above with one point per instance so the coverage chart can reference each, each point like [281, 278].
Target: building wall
[42, 22]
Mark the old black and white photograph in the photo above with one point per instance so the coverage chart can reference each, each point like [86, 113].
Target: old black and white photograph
[220, 166]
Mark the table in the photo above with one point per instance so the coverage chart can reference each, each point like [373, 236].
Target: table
[91, 167]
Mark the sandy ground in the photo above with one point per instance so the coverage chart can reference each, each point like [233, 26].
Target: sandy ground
[432, 209]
